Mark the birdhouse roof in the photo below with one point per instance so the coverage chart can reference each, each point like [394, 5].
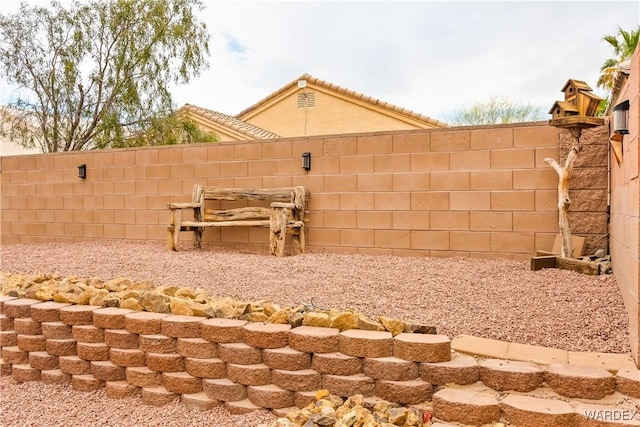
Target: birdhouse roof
[565, 105]
[578, 84]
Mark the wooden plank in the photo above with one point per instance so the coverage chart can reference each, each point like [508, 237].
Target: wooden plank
[238, 214]
[584, 267]
[260, 223]
[540, 262]
[183, 205]
[283, 194]
[578, 245]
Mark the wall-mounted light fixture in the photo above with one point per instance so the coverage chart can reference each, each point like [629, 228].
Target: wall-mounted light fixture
[82, 171]
[621, 118]
[306, 161]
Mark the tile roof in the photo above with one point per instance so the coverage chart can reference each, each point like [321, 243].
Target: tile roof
[347, 92]
[231, 122]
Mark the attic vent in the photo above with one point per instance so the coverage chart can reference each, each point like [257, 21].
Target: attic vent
[306, 100]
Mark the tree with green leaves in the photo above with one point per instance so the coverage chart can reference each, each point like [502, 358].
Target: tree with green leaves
[96, 74]
[624, 44]
[497, 110]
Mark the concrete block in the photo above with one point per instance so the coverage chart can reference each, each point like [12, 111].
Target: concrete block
[92, 351]
[86, 382]
[165, 362]
[24, 372]
[528, 411]
[199, 401]
[286, 358]
[73, 365]
[628, 382]
[157, 344]
[42, 360]
[239, 354]
[87, 333]
[107, 371]
[26, 326]
[360, 343]
[32, 342]
[143, 322]
[8, 338]
[120, 338]
[157, 396]
[197, 348]
[220, 330]
[336, 364]
[270, 396]
[349, 385]
[224, 389]
[56, 330]
[422, 347]
[64, 347]
[300, 380]
[466, 407]
[390, 368]
[127, 357]
[55, 376]
[14, 355]
[143, 377]
[409, 392]
[181, 382]
[178, 326]
[48, 311]
[585, 382]
[312, 339]
[241, 407]
[18, 308]
[110, 317]
[460, 370]
[205, 368]
[511, 375]
[266, 335]
[78, 314]
[258, 374]
[483, 347]
[121, 390]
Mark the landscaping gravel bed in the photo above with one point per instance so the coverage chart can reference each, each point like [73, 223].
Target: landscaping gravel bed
[493, 298]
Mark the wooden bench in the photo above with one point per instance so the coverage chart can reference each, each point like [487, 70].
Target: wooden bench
[285, 214]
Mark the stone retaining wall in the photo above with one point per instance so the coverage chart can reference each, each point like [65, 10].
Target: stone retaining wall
[249, 366]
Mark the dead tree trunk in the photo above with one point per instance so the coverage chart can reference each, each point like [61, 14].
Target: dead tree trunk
[564, 174]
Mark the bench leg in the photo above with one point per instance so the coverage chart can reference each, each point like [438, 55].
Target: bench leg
[174, 229]
[298, 241]
[277, 231]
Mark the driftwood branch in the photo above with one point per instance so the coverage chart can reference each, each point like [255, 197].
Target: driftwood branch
[564, 174]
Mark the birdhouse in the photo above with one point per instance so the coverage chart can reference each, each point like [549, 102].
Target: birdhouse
[587, 103]
[563, 109]
[572, 87]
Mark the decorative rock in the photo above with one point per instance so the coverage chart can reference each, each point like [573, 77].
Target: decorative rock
[143, 323]
[336, 364]
[73, 365]
[355, 342]
[143, 377]
[120, 338]
[350, 385]
[157, 396]
[56, 330]
[286, 358]
[465, 407]
[241, 407]
[311, 339]
[461, 370]
[55, 376]
[154, 302]
[157, 344]
[531, 411]
[417, 328]
[580, 381]
[511, 375]
[131, 304]
[92, 351]
[165, 362]
[199, 401]
[222, 330]
[78, 314]
[390, 368]
[127, 357]
[422, 347]
[394, 326]
[14, 355]
[121, 389]
[107, 371]
[181, 382]
[86, 383]
[224, 389]
[43, 361]
[270, 396]
[181, 326]
[24, 373]
[321, 320]
[197, 348]
[369, 325]
[47, 311]
[26, 326]
[258, 374]
[32, 342]
[110, 317]
[205, 368]
[239, 354]
[265, 335]
[87, 333]
[181, 307]
[18, 308]
[343, 321]
[404, 392]
[303, 380]
[628, 382]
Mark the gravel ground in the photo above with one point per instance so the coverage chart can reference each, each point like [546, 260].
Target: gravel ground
[492, 298]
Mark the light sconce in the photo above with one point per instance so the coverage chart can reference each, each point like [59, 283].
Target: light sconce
[621, 118]
[82, 171]
[306, 161]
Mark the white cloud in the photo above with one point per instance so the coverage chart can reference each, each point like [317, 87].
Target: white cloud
[427, 56]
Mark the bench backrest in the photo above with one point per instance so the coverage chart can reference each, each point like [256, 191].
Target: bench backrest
[296, 195]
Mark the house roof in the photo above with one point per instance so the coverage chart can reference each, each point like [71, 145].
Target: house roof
[343, 91]
[230, 122]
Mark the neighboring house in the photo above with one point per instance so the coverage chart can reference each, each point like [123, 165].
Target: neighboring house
[309, 106]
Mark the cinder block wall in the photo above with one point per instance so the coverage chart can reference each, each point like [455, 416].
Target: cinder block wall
[625, 207]
[472, 191]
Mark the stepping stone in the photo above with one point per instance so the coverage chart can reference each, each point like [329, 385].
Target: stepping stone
[510, 375]
[584, 382]
[467, 407]
[527, 411]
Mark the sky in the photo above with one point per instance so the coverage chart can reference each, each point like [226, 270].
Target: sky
[431, 57]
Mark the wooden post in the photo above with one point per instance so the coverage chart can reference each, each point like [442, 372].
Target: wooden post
[277, 231]
[564, 174]
[196, 197]
[174, 229]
